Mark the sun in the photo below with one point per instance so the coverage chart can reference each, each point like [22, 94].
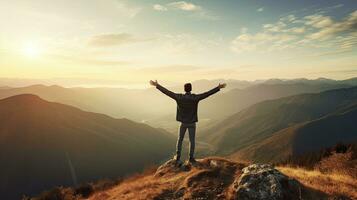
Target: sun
[32, 50]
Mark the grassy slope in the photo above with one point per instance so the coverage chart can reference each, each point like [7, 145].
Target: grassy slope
[324, 184]
[43, 144]
[203, 182]
[304, 137]
[262, 120]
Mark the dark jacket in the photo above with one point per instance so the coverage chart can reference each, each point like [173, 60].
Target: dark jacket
[187, 103]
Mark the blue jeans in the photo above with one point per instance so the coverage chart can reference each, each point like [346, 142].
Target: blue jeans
[191, 132]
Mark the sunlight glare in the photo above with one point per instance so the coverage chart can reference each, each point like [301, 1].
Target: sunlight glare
[31, 50]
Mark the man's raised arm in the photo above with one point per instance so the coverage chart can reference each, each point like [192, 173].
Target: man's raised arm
[163, 90]
[210, 92]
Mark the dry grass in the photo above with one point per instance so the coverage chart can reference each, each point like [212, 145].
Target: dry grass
[340, 163]
[210, 178]
[143, 182]
[332, 184]
[202, 180]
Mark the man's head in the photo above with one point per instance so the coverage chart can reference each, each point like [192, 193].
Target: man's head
[188, 87]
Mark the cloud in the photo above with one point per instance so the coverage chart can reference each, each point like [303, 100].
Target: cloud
[126, 10]
[112, 39]
[282, 27]
[347, 42]
[260, 9]
[159, 7]
[318, 21]
[288, 18]
[328, 9]
[277, 27]
[328, 28]
[311, 31]
[196, 10]
[261, 42]
[297, 30]
[183, 5]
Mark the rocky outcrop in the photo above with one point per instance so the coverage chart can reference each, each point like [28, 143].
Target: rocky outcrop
[261, 181]
[172, 166]
[256, 181]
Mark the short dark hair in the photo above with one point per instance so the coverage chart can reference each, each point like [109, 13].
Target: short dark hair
[188, 87]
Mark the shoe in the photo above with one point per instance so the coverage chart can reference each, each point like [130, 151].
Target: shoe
[176, 158]
[192, 160]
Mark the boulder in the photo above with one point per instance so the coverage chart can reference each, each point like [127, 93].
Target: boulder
[263, 182]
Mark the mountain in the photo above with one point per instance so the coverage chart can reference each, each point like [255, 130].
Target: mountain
[233, 101]
[44, 144]
[264, 120]
[305, 137]
[321, 80]
[116, 102]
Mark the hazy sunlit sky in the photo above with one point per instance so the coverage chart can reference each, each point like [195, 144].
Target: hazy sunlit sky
[177, 41]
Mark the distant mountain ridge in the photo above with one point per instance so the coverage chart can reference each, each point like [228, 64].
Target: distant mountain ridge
[44, 144]
[246, 130]
[305, 137]
[235, 100]
[119, 102]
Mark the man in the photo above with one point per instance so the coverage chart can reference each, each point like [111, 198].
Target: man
[186, 113]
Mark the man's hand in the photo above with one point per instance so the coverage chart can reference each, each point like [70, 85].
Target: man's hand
[222, 85]
[153, 83]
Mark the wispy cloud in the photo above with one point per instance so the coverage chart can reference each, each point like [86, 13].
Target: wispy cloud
[288, 18]
[183, 5]
[159, 7]
[197, 11]
[327, 28]
[329, 8]
[126, 10]
[318, 21]
[260, 9]
[313, 31]
[261, 42]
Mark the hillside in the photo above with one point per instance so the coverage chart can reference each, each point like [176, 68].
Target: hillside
[235, 100]
[263, 120]
[215, 178]
[304, 137]
[44, 144]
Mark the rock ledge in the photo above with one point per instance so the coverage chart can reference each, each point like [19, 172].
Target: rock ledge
[262, 181]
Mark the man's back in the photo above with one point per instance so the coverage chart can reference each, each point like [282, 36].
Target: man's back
[187, 103]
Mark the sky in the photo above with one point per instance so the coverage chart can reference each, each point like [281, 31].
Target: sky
[131, 42]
